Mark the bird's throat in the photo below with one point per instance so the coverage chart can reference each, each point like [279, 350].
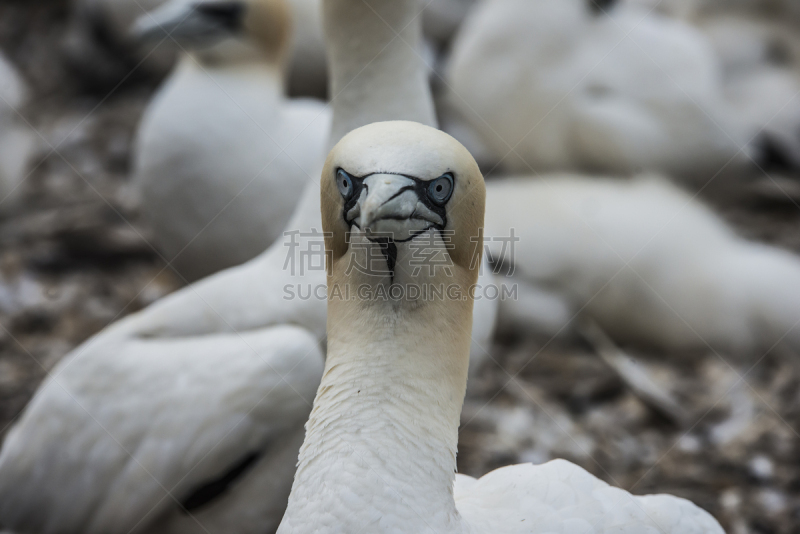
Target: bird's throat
[383, 433]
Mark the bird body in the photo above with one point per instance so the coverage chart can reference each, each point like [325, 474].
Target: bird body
[212, 401]
[615, 92]
[761, 67]
[560, 497]
[647, 262]
[210, 211]
[758, 49]
[380, 448]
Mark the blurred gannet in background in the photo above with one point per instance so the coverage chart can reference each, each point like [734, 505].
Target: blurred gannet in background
[381, 443]
[645, 261]
[221, 155]
[761, 66]
[100, 44]
[759, 48]
[574, 88]
[17, 139]
[183, 435]
[139, 410]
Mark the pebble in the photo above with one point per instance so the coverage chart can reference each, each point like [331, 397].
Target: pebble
[772, 501]
[761, 467]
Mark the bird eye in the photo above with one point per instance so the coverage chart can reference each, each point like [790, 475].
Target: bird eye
[344, 183]
[440, 189]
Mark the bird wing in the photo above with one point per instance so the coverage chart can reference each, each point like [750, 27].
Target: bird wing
[561, 498]
[267, 290]
[125, 429]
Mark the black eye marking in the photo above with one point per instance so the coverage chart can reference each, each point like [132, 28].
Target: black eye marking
[434, 194]
[440, 189]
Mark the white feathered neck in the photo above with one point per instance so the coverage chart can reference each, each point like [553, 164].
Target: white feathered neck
[381, 440]
[376, 70]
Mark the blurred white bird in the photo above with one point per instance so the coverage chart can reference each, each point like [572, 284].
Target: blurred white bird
[141, 408]
[556, 85]
[645, 261]
[759, 48]
[221, 157]
[181, 435]
[761, 66]
[100, 45]
[758, 45]
[17, 139]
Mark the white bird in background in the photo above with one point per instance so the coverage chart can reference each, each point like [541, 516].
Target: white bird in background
[614, 91]
[99, 45]
[759, 49]
[17, 139]
[221, 156]
[99, 38]
[761, 62]
[183, 435]
[380, 448]
[645, 261]
[112, 424]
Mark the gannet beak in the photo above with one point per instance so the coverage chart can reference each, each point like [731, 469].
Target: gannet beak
[390, 206]
[192, 23]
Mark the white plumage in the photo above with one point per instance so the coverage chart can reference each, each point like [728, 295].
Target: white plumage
[646, 261]
[125, 429]
[307, 70]
[560, 497]
[380, 446]
[613, 92]
[221, 156]
[761, 66]
[758, 48]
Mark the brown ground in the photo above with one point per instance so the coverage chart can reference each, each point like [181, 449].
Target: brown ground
[73, 260]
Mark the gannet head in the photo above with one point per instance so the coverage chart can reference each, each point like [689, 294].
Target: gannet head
[203, 24]
[396, 181]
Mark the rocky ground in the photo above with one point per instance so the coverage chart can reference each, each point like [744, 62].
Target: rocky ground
[74, 258]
